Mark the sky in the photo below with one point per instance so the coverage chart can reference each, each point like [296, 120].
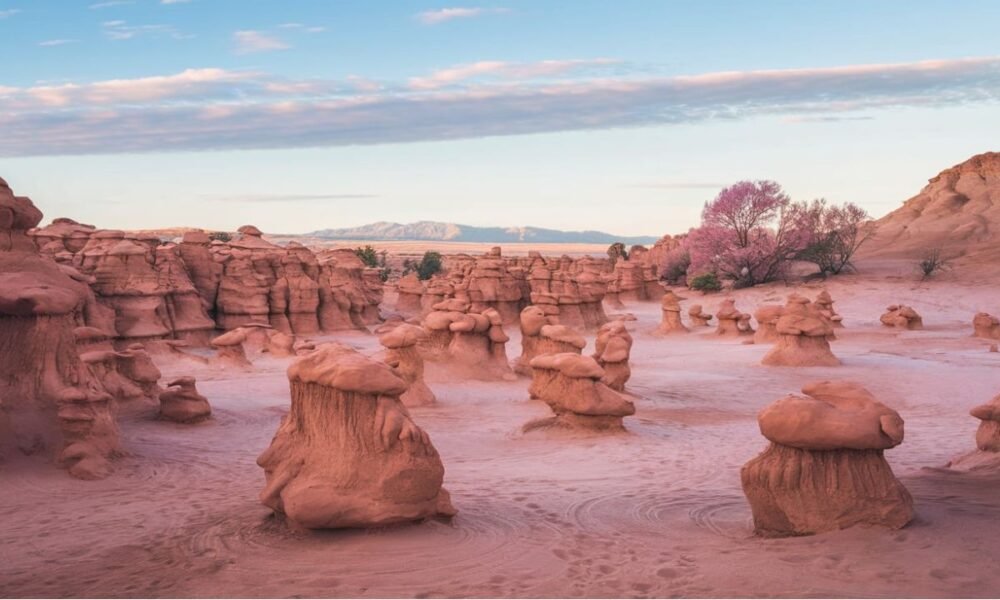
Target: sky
[622, 116]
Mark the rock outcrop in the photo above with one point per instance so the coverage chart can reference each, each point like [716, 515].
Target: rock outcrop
[825, 468]
[348, 454]
[767, 316]
[958, 211]
[988, 434]
[698, 317]
[824, 302]
[671, 323]
[803, 337]
[402, 355]
[571, 385]
[986, 326]
[469, 341]
[49, 399]
[732, 322]
[901, 316]
[182, 403]
[613, 349]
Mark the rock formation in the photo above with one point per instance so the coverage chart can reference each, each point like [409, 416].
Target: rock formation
[410, 294]
[825, 305]
[825, 468]
[671, 322]
[957, 211]
[613, 350]
[348, 454]
[402, 355]
[182, 403]
[732, 322]
[571, 385]
[229, 347]
[698, 317]
[49, 399]
[901, 317]
[803, 332]
[185, 291]
[986, 326]
[767, 316]
[467, 340]
[988, 434]
[533, 318]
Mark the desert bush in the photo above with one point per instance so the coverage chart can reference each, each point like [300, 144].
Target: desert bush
[617, 251]
[428, 266]
[933, 261]
[368, 255]
[675, 265]
[833, 234]
[220, 236]
[708, 282]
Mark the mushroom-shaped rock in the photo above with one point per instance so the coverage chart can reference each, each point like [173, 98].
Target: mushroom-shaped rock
[698, 317]
[901, 316]
[571, 385]
[533, 318]
[402, 354]
[988, 434]
[348, 454]
[803, 333]
[671, 322]
[825, 305]
[182, 403]
[767, 316]
[613, 350]
[229, 347]
[986, 326]
[732, 322]
[49, 399]
[825, 468]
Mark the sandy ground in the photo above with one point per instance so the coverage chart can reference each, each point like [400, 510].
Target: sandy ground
[657, 511]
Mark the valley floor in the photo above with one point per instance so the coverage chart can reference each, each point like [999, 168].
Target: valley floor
[657, 511]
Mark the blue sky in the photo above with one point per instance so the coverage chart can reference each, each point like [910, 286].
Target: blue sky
[624, 116]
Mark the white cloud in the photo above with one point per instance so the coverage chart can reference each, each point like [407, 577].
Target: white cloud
[9, 12]
[248, 42]
[174, 1]
[47, 43]
[109, 4]
[433, 17]
[202, 109]
[512, 71]
[121, 30]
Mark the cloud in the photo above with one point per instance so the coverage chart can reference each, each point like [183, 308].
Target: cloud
[174, 1]
[211, 109]
[433, 17]
[301, 27]
[109, 4]
[249, 42]
[47, 43]
[290, 197]
[522, 71]
[121, 30]
[9, 12]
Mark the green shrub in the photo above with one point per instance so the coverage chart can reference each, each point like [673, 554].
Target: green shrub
[220, 236]
[429, 265]
[708, 282]
[367, 256]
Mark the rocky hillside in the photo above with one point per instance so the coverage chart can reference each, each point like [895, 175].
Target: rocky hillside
[451, 232]
[958, 211]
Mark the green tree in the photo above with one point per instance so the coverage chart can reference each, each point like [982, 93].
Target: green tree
[367, 256]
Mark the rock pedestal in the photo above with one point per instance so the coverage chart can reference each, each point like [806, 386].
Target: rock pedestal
[825, 468]
[348, 454]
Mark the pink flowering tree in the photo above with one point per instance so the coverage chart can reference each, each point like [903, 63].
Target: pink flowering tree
[748, 234]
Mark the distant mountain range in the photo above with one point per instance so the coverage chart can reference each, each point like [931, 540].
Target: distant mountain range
[451, 232]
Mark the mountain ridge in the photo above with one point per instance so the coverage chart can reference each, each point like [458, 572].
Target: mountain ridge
[454, 232]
